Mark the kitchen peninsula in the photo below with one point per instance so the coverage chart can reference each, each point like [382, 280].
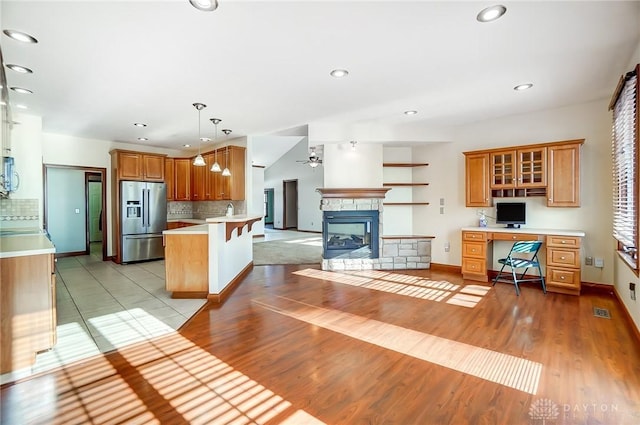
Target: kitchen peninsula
[208, 260]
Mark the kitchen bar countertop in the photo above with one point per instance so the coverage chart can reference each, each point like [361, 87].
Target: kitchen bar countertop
[186, 220]
[198, 229]
[234, 218]
[24, 245]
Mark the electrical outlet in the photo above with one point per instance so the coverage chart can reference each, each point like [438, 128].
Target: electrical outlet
[588, 261]
[447, 246]
[441, 201]
[441, 210]
[599, 262]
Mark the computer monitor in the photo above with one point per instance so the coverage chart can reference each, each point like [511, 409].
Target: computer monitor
[513, 214]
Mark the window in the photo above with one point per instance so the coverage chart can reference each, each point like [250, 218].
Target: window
[625, 167]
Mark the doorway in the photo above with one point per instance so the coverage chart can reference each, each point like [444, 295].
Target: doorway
[290, 204]
[74, 198]
[268, 207]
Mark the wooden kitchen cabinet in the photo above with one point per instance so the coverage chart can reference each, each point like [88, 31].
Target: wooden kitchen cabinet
[231, 188]
[182, 179]
[546, 169]
[474, 255]
[209, 180]
[187, 265]
[198, 175]
[169, 175]
[563, 188]
[563, 264]
[519, 168]
[28, 310]
[140, 166]
[477, 180]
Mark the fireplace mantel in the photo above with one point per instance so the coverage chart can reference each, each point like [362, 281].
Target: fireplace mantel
[353, 193]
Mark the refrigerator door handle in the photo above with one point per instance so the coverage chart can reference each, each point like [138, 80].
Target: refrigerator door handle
[147, 236]
[148, 207]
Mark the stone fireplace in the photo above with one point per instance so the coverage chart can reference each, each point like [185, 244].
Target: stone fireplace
[352, 232]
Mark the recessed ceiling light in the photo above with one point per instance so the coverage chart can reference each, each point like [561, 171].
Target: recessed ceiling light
[139, 124]
[20, 36]
[20, 106]
[21, 90]
[410, 112]
[142, 139]
[491, 13]
[339, 73]
[521, 87]
[186, 145]
[205, 5]
[19, 68]
[205, 139]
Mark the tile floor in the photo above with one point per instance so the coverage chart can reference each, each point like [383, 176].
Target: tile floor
[102, 306]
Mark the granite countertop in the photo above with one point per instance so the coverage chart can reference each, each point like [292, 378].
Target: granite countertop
[22, 245]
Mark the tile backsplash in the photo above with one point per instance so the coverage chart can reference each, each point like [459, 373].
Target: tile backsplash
[19, 209]
[202, 209]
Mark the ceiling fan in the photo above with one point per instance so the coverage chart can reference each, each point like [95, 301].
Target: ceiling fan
[314, 160]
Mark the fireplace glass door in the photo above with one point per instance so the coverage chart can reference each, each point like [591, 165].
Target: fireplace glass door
[350, 234]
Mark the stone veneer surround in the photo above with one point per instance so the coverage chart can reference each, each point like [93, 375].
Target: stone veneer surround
[395, 252]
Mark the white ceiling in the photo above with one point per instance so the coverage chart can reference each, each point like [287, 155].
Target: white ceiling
[263, 66]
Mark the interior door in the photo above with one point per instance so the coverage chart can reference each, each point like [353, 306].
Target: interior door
[290, 199]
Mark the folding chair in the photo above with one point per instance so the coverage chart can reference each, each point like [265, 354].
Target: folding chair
[523, 255]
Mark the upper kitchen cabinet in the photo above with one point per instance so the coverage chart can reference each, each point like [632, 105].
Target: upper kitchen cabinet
[563, 188]
[519, 168]
[547, 169]
[140, 166]
[169, 175]
[231, 188]
[182, 179]
[477, 180]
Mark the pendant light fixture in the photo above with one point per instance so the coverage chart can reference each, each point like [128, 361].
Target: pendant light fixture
[199, 160]
[226, 172]
[215, 167]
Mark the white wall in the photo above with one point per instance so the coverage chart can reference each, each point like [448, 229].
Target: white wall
[346, 167]
[309, 179]
[26, 148]
[257, 203]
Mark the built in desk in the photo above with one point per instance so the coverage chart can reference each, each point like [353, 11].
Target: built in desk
[562, 269]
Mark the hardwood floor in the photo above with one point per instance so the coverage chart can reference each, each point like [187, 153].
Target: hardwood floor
[295, 345]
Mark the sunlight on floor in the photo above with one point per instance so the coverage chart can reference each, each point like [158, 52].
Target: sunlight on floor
[177, 382]
[314, 241]
[408, 285]
[510, 371]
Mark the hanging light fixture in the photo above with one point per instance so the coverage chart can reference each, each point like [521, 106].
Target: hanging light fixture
[215, 167]
[199, 160]
[226, 172]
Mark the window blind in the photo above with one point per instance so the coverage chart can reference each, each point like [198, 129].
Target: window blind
[625, 168]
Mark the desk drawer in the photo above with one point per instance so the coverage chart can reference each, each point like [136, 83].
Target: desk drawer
[514, 237]
[564, 278]
[474, 266]
[474, 236]
[563, 257]
[563, 241]
[474, 249]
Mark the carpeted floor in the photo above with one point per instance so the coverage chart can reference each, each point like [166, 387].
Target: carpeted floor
[303, 250]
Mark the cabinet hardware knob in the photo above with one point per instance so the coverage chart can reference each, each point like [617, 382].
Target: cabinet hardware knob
[564, 242]
[561, 277]
[562, 258]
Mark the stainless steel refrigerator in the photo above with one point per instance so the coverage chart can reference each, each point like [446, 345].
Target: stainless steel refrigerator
[143, 212]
